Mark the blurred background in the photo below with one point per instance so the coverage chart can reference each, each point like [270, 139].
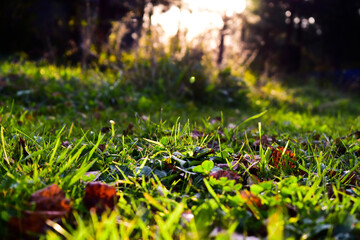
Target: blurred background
[317, 38]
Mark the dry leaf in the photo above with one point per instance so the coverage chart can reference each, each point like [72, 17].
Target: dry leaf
[250, 199]
[225, 173]
[277, 156]
[50, 203]
[99, 196]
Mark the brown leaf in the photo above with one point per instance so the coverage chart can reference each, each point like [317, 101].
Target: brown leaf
[51, 198]
[27, 224]
[99, 196]
[225, 173]
[50, 203]
[50, 191]
[277, 156]
[250, 199]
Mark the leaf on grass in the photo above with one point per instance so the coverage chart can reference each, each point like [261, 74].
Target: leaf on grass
[348, 178]
[252, 202]
[51, 198]
[50, 203]
[277, 155]
[250, 199]
[225, 173]
[100, 196]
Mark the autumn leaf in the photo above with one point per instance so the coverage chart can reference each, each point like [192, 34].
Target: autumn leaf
[99, 196]
[277, 155]
[50, 203]
[252, 202]
[250, 198]
[225, 173]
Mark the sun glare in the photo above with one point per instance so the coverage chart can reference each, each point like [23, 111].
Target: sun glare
[196, 17]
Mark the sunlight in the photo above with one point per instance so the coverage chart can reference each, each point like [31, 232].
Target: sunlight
[196, 17]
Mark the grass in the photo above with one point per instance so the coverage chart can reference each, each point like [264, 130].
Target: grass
[182, 169]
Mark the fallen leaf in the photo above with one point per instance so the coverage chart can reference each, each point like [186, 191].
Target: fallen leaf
[277, 156]
[100, 196]
[252, 202]
[50, 203]
[250, 198]
[225, 173]
[51, 198]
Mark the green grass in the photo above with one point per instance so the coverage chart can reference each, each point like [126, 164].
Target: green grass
[55, 128]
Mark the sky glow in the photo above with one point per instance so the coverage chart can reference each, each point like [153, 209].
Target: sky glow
[197, 16]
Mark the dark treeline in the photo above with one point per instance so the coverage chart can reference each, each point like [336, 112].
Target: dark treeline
[289, 35]
[312, 34]
[65, 29]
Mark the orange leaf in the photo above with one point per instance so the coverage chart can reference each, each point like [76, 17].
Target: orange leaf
[99, 196]
[50, 203]
[277, 154]
[250, 199]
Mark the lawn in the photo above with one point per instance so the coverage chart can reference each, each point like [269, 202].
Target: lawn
[94, 155]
